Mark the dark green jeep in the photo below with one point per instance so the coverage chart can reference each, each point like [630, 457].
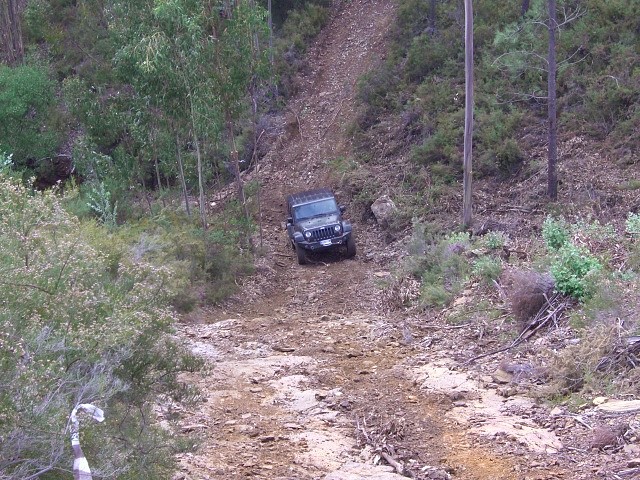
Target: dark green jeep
[315, 224]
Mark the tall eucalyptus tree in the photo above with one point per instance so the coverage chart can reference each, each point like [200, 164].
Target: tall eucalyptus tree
[11, 45]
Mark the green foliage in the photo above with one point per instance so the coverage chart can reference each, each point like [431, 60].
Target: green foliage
[440, 264]
[303, 24]
[555, 233]
[374, 90]
[5, 162]
[206, 266]
[427, 54]
[104, 115]
[574, 270]
[80, 321]
[422, 78]
[26, 99]
[494, 134]
[487, 269]
[36, 18]
[632, 225]
[494, 240]
[100, 203]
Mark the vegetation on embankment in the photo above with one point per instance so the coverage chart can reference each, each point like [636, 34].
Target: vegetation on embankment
[411, 113]
[412, 104]
[117, 112]
[84, 319]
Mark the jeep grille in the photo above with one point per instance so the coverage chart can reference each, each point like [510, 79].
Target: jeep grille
[323, 233]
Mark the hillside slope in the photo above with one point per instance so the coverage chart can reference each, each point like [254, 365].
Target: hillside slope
[309, 377]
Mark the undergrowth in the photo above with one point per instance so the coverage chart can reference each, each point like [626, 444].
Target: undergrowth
[577, 263]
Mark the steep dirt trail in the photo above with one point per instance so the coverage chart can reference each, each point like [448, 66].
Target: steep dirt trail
[304, 372]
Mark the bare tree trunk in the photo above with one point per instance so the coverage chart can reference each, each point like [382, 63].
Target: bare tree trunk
[154, 134]
[236, 168]
[196, 141]
[11, 47]
[432, 16]
[552, 188]
[144, 185]
[270, 33]
[468, 114]
[183, 182]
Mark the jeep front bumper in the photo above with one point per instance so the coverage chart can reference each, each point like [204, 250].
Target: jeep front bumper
[328, 243]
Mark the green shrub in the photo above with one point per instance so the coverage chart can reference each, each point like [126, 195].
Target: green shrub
[555, 233]
[303, 24]
[487, 268]
[6, 162]
[81, 321]
[26, 101]
[494, 240]
[375, 93]
[632, 225]
[100, 203]
[441, 267]
[426, 54]
[574, 270]
[435, 295]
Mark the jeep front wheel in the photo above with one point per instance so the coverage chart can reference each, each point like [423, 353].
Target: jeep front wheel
[301, 254]
[351, 247]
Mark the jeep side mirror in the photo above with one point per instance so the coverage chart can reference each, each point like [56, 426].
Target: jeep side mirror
[289, 221]
[342, 208]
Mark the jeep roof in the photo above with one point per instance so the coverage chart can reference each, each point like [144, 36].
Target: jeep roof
[308, 196]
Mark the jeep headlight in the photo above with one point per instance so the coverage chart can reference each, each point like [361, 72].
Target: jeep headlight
[307, 234]
[337, 228]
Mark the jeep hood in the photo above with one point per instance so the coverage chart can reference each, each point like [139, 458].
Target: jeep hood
[311, 223]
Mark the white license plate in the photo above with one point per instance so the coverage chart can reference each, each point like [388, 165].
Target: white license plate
[325, 243]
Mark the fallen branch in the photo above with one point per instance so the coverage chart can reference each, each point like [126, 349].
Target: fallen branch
[629, 472]
[394, 463]
[549, 312]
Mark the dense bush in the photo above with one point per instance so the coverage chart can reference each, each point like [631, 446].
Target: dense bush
[439, 263]
[300, 25]
[573, 268]
[80, 324]
[574, 271]
[555, 233]
[598, 82]
[26, 102]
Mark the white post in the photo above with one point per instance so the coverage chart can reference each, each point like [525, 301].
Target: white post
[81, 470]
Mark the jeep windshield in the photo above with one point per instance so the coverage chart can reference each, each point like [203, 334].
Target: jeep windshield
[315, 209]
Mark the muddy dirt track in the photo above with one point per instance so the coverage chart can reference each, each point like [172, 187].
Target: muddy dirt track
[307, 378]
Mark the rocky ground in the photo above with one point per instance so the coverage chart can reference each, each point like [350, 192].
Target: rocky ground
[310, 377]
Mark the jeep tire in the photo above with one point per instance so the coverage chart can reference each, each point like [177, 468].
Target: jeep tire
[351, 247]
[301, 254]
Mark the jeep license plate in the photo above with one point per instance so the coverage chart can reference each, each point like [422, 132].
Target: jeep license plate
[325, 243]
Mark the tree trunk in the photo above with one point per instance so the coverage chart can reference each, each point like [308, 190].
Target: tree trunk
[11, 47]
[432, 16]
[156, 165]
[468, 114]
[236, 167]
[183, 182]
[552, 188]
[196, 141]
[270, 19]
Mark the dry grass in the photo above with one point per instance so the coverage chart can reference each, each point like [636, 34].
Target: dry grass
[594, 363]
[527, 291]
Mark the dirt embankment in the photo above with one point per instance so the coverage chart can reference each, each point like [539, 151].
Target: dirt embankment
[307, 378]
